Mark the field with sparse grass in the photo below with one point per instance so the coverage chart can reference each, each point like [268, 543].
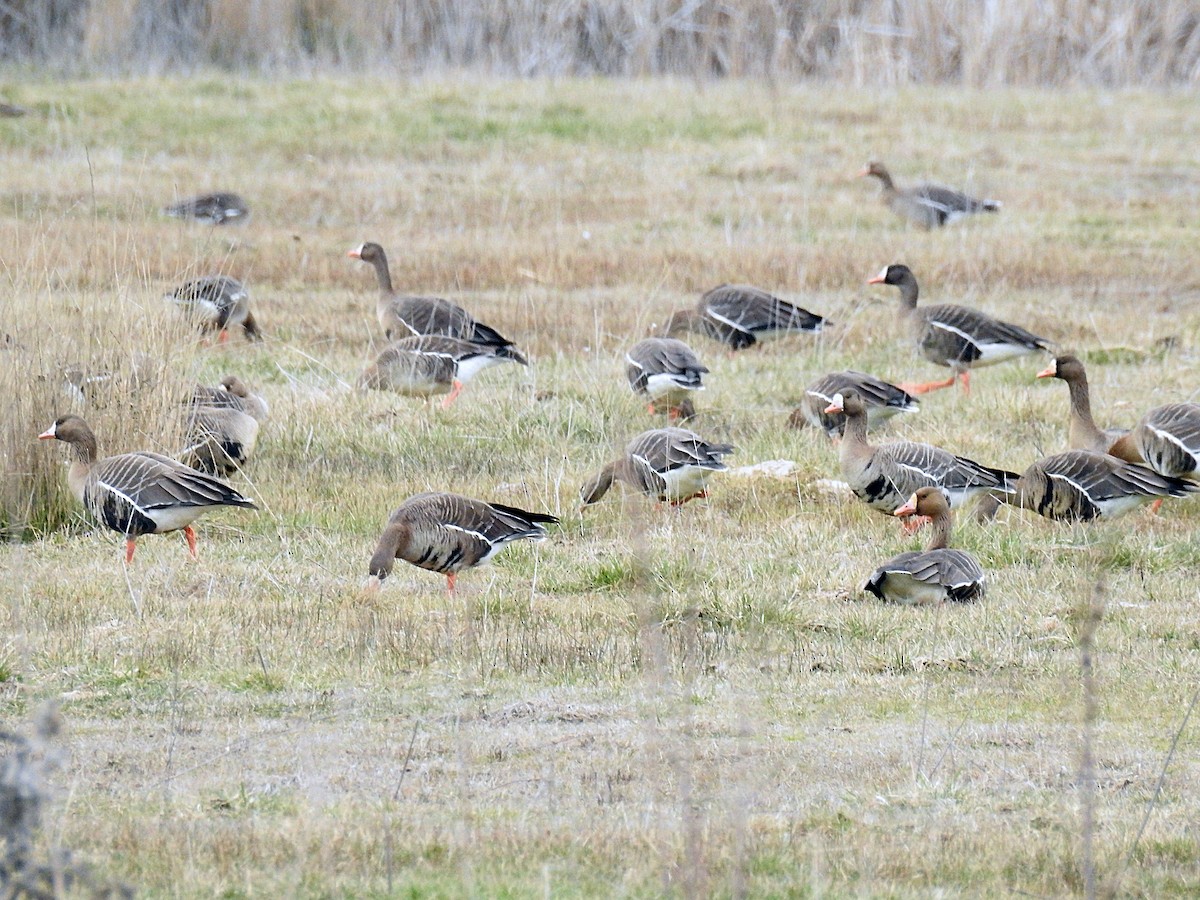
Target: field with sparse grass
[653, 702]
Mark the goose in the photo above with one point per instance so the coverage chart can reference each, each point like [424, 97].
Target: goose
[881, 398]
[217, 303]
[1083, 485]
[958, 337]
[665, 369]
[408, 315]
[232, 393]
[935, 574]
[220, 208]
[220, 439]
[671, 464]
[447, 533]
[1167, 439]
[885, 476]
[740, 315]
[139, 493]
[927, 205]
[424, 366]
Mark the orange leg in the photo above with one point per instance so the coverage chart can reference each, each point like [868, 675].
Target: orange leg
[928, 385]
[674, 414]
[450, 588]
[1156, 505]
[650, 408]
[190, 533]
[453, 395]
[965, 378]
[130, 546]
[913, 523]
[223, 336]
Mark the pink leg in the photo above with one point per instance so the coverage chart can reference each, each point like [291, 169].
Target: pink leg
[190, 533]
[453, 395]
[965, 377]
[130, 546]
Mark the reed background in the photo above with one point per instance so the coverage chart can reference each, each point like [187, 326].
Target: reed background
[650, 703]
[862, 42]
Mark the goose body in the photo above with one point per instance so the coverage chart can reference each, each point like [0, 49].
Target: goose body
[1168, 439]
[220, 208]
[232, 393]
[448, 533]
[957, 337]
[139, 493]
[935, 574]
[410, 315]
[665, 370]
[220, 439]
[881, 399]
[740, 315]
[217, 303]
[885, 476]
[1082, 485]
[425, 366]
[670, 464]
[927, 205]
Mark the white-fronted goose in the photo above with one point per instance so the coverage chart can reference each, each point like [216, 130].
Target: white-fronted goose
[221, 208]
[885, 476]
[740, 315]
[139, 493]
[409, 315]
[220, 439]
[935, 574]
[217, 303]
[666, 370]
[1082, 485]
[424, 366]
[927, 205]
[881, 398]
[448, 533]
[958, 337]
[232, 393]
[671, 464]
[1167, 439]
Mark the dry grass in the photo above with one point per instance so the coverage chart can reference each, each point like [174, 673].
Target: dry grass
[684, 703]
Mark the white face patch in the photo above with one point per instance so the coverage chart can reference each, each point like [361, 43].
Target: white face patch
[882, 276]
[838, 400]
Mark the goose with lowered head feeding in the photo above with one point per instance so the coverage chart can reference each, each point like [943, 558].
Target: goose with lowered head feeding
[670, 464]
[741, 315]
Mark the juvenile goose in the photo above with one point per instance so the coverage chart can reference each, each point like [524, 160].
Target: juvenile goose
[221, 208]
[407, 315]
[448, 533]
[139, 493]
[220, 439]
[216, 303]
[1082, 485]
[954, 336]
[927, 205]
[424, 366]
[671, 464]
[740, 315]
[935, 574]
[1167, 439]
[666, 370]
[881, 398]
[232, 393]
[884, 477]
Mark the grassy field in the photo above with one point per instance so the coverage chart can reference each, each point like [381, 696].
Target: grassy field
[651, 703]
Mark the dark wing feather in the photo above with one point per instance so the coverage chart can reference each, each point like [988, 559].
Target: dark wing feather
[978, 327]
[1168, 438]
[753, 310]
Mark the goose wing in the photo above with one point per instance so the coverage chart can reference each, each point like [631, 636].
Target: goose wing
[1168, 438]
[954, 573]
[917, 465]
[975, 332]
[452, 532]
[664, 356]
[752, 310]
[1084, 485]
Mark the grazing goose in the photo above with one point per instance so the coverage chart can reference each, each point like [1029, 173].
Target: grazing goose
[448, 533]
[884, 477]
[220, 439]
[935, 574]
[881, 398]
[424, 366]
[233, 394]
[665, 369]
[1082, 485]
[954, 336]
[221, 208]
[217, 303]
[927, 205]
[671, 464]
[1167, 439]
[139, 493]
[407, 315]
[741, 314]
